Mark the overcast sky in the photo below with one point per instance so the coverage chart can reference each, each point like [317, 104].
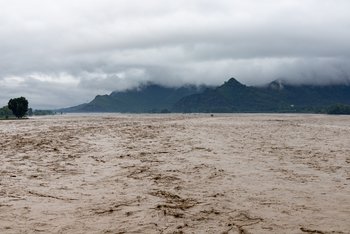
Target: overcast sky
[63, 53]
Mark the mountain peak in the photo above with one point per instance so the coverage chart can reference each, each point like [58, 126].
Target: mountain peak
[233, 82]
[277, 84]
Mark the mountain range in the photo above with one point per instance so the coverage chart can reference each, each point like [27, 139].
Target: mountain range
[148, 98]
[232, 96]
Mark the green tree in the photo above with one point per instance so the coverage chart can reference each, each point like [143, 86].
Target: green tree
[19, 106]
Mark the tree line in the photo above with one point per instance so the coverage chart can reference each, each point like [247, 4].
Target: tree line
[18, 107]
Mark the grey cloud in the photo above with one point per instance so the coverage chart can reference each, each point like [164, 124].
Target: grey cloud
[113, 45]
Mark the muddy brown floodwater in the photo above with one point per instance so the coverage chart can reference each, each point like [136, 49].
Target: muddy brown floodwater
[175, 174]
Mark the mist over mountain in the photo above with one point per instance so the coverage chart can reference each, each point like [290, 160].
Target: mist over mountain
[232, 96]
[148, 97]
[277, 96]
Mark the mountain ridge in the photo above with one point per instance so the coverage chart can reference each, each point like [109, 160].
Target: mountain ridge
[148, 97]
[231, 96]
[277, 96]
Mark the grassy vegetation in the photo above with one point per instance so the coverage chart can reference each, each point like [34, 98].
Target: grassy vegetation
[339, 109]
[6, 113]
[43, 112]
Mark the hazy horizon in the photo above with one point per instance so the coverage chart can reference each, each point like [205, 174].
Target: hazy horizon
[64, 53]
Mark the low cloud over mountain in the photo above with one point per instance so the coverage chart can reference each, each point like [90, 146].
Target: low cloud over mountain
[64, 53]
